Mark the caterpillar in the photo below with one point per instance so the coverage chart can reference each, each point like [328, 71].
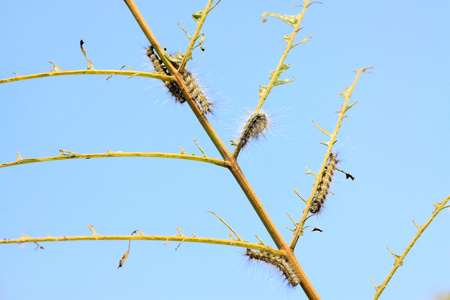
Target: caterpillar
[278, 263]
[324, 185]
[193, 86]
[254, 127]
[160, 68]
[195, 90]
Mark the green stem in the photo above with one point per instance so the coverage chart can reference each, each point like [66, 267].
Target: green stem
[195, 37]
[89, 72]
[331, 143]
[23, 161]
[399, 261]
[278, 69]
[283, 57]
[143, 237]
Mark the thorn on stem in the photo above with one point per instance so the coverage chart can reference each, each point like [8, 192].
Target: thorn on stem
[55, 67]
[92, 229]
[260, 241]
[179, 231]
[204, 154]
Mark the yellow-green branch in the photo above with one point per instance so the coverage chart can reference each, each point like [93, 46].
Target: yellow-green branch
[289, 46]
[274, 78]
[399, 259]
[73, 155]
[89, 72]
[196, 36]
[346, 94]
[143, 237]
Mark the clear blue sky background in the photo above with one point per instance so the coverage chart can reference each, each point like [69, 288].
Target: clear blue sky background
[395, 142]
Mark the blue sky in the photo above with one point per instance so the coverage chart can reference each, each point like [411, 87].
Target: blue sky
[395, 142]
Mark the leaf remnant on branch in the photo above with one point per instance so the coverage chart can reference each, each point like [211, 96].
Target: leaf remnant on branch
[90, 66]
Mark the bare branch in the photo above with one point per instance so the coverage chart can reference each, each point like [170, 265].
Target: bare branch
[399, 259]
[229, 227]
[74, 155]
[346, 94]
[89, 72]
[143, 237]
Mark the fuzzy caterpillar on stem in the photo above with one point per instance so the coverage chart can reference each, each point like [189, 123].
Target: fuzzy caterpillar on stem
[256, 125]
[278, 263]
[195, 90]
[324, 185]
[159, 67]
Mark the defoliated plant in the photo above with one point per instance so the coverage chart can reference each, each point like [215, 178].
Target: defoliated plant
[184, 87]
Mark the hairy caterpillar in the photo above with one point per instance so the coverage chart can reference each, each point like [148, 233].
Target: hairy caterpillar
[160, 68]
[278, 263]
[324, 184]
[255, 126]
[195, 90]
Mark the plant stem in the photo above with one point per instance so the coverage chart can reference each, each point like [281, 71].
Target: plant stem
[214, 161]
[399, 261]
[143, 237]
[283, 57]
[195, 37]
[89, 72]
[234, 166]
[331, 143]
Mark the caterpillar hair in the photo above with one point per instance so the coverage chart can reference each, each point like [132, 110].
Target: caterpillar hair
[255, 126]
[160, 68]
[324, 185]
[195, 90]
[278, 263]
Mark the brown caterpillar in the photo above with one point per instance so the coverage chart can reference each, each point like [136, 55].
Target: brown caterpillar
[255, 126]
[160, 68]
[278, 263]
[324, 185]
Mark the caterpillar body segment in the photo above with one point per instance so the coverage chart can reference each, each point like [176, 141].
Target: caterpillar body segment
[160, 68]
[279, 264]
[324, 185]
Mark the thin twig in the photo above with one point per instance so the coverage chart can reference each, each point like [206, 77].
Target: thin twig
[89, 72]
[399, 259]
[74, 155]
[346, 94]
[229, 227]
[143, 237]
[204, 154]
[195, 37]
[274, 78]
[288, 47]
